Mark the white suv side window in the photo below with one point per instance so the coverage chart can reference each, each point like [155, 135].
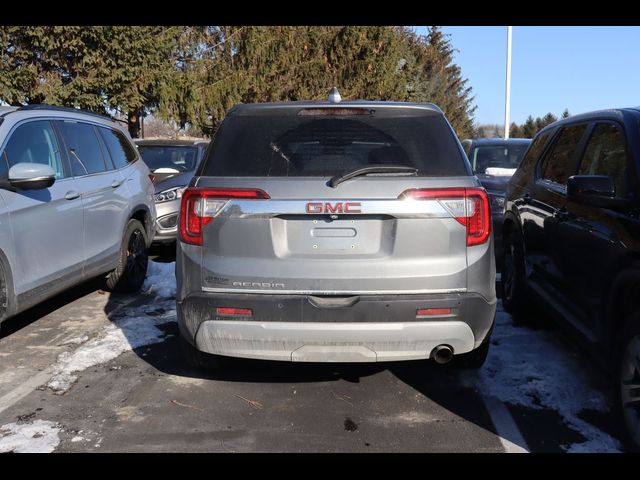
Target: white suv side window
[84, 152]
[121, 151]
[34, 142]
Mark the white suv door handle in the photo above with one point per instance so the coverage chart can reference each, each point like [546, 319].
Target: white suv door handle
[116, 183]
[71, 195]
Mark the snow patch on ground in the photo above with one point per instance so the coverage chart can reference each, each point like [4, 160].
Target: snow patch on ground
[76, 340]
[161, 279]
[134, 330]
[532, 368]
[40, 436]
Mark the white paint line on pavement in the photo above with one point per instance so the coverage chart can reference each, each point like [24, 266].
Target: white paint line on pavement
[41, 377]
[508, 432]
[25, 388]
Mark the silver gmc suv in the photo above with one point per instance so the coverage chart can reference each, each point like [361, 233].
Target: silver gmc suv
[335, 231]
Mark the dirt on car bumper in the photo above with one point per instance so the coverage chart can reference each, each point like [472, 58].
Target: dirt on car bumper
[371, 328]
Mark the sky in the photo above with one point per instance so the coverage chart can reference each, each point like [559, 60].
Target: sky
[553, 68]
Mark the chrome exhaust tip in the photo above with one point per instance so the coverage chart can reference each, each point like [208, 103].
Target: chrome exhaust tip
[442, 354]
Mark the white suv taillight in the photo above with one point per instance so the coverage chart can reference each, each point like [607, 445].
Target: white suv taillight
[200, 206]
[469, 206]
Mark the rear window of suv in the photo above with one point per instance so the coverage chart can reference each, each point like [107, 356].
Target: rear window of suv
[289, 142]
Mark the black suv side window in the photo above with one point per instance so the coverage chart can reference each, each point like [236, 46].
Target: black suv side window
[531, 156]
[535, 149]
[606, 155]
[557, 165]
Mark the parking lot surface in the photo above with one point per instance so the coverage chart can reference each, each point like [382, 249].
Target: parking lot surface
[92, 371]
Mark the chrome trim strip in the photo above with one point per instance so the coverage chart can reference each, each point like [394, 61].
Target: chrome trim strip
[272, 208]
[332, 292]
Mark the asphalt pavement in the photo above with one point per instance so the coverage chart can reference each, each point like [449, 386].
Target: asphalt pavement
[146, 399]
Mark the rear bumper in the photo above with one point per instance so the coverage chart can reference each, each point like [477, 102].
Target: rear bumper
[331, 342]
[373, 328]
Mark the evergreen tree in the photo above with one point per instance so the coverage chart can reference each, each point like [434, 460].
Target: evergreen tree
[257, 64]
[194, 75]
[47, 65]
[133, 63]
[529, 128]
[444, 85]
[95, 68]
[548, 119]
[515, 131]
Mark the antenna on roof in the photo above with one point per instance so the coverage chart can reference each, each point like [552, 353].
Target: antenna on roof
[334, 95]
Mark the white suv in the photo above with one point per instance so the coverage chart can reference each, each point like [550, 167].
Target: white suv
[76, 201]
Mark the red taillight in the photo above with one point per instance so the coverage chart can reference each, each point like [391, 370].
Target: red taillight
[199, 206]
[478, 224]
[237, 312]
[426, 312]
[469, 206]
[192, 221]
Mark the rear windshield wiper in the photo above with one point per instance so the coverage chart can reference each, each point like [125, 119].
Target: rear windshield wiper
[394, 170]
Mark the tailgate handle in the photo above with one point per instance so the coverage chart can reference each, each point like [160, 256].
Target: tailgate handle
[333, 302]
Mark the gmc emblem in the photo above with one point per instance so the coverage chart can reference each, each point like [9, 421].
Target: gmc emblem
[340, 207]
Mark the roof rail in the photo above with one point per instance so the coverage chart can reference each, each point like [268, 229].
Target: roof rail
[42, 106]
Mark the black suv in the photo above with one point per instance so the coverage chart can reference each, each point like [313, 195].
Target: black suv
[571, 237]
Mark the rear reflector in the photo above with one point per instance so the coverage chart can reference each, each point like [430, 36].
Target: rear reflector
[425, 312]
[199, 206]
[469, 206]
[238, 312]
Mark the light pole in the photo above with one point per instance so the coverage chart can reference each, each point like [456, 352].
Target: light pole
[507, 102]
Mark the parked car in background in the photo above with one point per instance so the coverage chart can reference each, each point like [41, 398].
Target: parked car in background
[493, 161]
[335, 232]
[572, 241]
[76, 202]
[173, 164]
